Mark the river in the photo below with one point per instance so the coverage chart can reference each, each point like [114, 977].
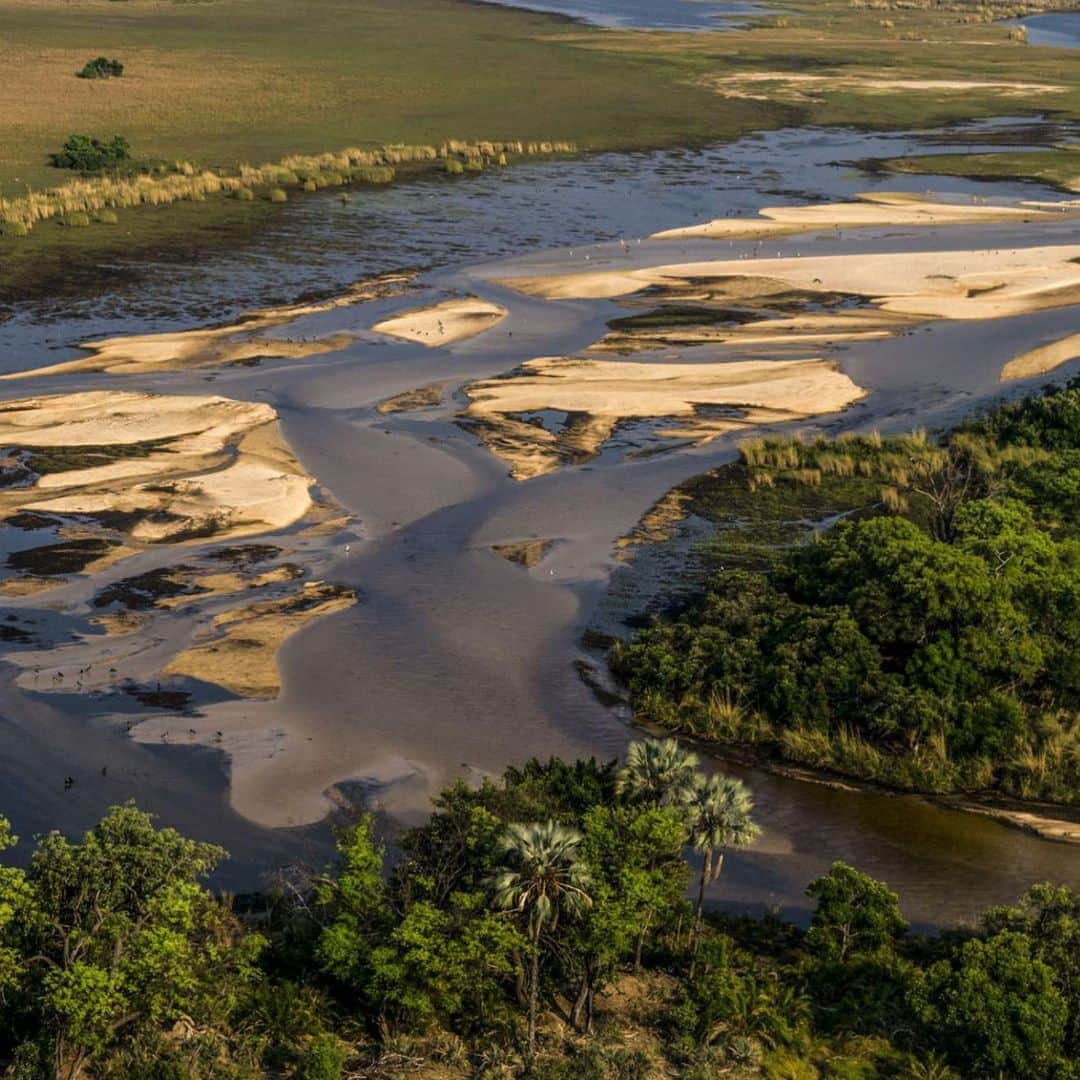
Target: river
[457, 662]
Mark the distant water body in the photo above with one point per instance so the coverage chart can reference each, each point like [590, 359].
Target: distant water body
[1058, 29]
[646, 14]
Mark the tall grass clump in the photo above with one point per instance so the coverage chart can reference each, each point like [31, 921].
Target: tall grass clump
[180, 181]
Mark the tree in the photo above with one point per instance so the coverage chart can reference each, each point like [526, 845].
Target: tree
[997, 1009]
[855, 915]
[656, 773]
[544, 879]
[357, 901]
[718, 816]
[101, 68]
[114, 937]
[639, 879]
[90, 154]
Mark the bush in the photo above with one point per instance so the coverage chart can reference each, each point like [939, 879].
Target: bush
[310, 185]
[278, 195]
[76, 221]
[101, 68]
[324, 1059]
[244, 194]
[90, 154]
[107, 217]
[14, 228]
[454, 167]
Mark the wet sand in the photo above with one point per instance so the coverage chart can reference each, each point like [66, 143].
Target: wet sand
[456, 660]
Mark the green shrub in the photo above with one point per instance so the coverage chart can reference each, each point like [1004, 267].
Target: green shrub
[101, 68]
[106, 217]
[324, 1059]
[76, 221]
[244, 194]
[14, 228]
[287, 177]
[278, 195]
[88, 153]
[454, 167]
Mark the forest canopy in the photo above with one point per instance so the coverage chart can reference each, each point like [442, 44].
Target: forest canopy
[926, 634]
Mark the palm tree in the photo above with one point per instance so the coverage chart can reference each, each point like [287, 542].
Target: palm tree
[543, 879]
[718, 816]
[657, 772]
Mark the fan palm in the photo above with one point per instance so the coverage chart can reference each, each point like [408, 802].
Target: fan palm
[718, 811]
[657, 772]
[543, 879]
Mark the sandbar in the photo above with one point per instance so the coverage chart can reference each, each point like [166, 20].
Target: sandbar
[445, 323]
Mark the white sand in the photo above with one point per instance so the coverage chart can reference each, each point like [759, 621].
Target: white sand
[1042, 359]
[224, 471]
[875, 209]
[604, 392]
[445, 323]
[979, 284]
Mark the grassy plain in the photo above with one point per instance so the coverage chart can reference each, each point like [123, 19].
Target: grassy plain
[231, 81]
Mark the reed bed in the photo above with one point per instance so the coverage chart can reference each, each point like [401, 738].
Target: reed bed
[185, 181]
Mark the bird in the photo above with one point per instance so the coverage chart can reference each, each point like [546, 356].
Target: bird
[68, 782]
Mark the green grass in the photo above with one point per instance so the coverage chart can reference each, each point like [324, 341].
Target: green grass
[1059, 168]
[249, 81]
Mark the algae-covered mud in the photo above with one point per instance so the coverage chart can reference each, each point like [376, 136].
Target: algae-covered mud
[438, 470]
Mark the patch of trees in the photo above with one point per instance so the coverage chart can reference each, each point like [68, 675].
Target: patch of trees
[101, 67]
[536, 923]
[87, 153]
[930, 640]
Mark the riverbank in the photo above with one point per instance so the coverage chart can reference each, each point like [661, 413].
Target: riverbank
[626, 89]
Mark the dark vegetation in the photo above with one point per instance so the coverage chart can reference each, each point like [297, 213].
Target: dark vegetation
[538, 924]
[89, 154]
[905, 610]
[101, 68]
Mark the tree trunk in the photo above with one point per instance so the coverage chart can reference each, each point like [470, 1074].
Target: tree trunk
[641, 940]
[534, 993]
[706, 868]
[579, 1002]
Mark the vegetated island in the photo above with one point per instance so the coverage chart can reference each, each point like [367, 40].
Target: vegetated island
[902, 610]
[537, 925]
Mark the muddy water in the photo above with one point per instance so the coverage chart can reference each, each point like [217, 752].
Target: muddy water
[456, 661]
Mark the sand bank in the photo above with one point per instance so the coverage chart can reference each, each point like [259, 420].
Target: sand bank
[136, 468]
[1040, 360]
[797, 88]
[595, 396]
[879, 209]
[242, 342]
[423, 397]
[981, 284]
[243, 659]
[445, 323]
[766, 328]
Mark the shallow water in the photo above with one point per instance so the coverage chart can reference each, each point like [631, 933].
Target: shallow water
[1056, 29]
[456, 661]
[646, 14]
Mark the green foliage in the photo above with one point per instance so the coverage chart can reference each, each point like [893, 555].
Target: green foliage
[278, 195]
[357, 900]
[324, 1059]
[110, 939]
[101, 68]
[854, 915]
[996, 1008]
[116, 964]
[935, 648]
[86, 153]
